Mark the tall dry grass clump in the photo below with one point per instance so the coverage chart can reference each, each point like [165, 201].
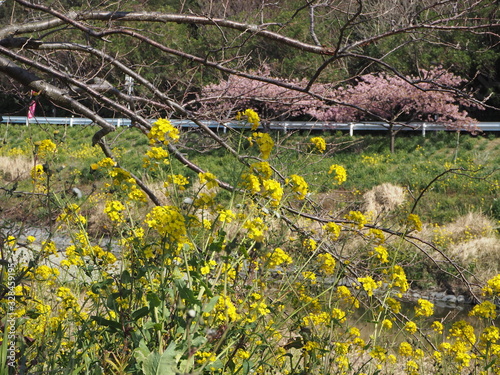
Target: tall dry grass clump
[473, 241]
[14, 168]
[383, 198]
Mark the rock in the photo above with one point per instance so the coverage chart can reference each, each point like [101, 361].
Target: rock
[450, 298]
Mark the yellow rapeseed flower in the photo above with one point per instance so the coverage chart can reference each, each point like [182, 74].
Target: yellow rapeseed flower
[163, 131]
[339, 174]
[333, 230]
[256, 228]
[310, 244]
[278, 257]
[369, 285]
[265, 143]
[114, 211]
[45, 148]
[411, 327]
[251, 182]
[274, 190]
[262, 169]
[414, 222]
[327, 263]
[424, 308]
[319, 143]
[492, 287]
[252, 117]
[387, 324]
[405, 349]
[208, 179]
[437, 326]
[299, 185]
[358, 218]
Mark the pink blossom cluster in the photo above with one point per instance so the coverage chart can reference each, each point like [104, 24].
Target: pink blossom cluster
[433, 96]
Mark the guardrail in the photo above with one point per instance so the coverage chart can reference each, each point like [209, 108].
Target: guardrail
[285, 126]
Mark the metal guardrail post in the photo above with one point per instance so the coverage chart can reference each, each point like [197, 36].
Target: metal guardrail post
[424, 125]
[351, 129]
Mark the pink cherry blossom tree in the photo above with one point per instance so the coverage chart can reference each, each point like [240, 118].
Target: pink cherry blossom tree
[395, 102]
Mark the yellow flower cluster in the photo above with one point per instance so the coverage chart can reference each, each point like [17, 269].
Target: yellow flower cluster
[208, 179]
[45, 148]
[256, 228]
[344, 294]
[273, 190]
[251, 182]
[114, 211]
[414, 222]
[177, 179]
[411, 327]
[163, 131]
[299, 185]
[319, 143]
[48, 248]
[252, 117]
[398, 278]
[154, 157]
[327, 263]
[71, 215]
[167, 221]
[339, 174]
[424, 308]
[226, 216]
[103, 163]
[310, 244]
[369, 285]
[437, 326]
[459, 349]
[492, 287]
[333, 230]
[486, 309]
[225, 310]
[357, 218]
[262, 169]
[277, 258]
[265, 143]
[46, 273]
[39, 177]
[381, 253]
[309, 276]
[204, 200]
[376, 235]
[205, 357]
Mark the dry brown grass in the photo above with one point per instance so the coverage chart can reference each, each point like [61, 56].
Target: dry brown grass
[15, 168]
[383, 198]
[471, 240]
[471, 226]
[483, 253]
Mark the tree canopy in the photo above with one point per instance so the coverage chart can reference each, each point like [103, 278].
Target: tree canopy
[172, 50]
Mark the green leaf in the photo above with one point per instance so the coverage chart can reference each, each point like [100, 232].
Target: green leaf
[211, 304]
[185, 292]
[159, 364]
[125, 277]
[246, 367]
[153, 300]
[114, 326]
[138, 314]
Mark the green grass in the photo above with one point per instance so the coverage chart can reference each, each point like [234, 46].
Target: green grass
[416, 162]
